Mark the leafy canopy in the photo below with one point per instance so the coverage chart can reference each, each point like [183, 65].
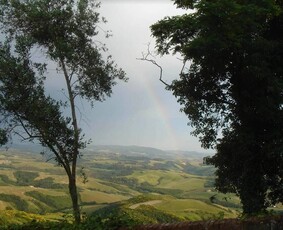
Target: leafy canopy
[63, 31]
[232, 90]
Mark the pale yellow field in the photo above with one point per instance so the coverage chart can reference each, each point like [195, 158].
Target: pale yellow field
[100, 197]
[187, 207]
[20, 191]
[170, 179]
[4, 205]
[8, 173]
[150, 176]
[185, 184]
[94, 184]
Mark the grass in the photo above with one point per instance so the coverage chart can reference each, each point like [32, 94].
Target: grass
[193, 209]
[101, 197]
[170, 179]
[4, 205]
[17, 217]
[151, 176]
[123, 189]
[93, 184]
[188, 183]
[56, 202]
[9, 217]
[97, 193]
[175, 205]
[9, 173]
[88, 209]
[199, 195]
[16, 201]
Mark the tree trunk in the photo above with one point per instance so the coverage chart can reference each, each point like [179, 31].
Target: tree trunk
[72, 175]
[74, 197]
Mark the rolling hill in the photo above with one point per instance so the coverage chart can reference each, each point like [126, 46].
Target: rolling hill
[174, 183]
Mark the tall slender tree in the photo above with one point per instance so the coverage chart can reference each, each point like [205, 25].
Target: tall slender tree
[232, 91]
[64, 32]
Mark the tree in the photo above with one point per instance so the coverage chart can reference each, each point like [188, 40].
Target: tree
[64, 32]
[232, 91]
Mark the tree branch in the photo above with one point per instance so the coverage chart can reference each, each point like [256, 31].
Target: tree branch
[145, 57]
[184, 64]
[74, 118]
[30, 135]
[51, 158]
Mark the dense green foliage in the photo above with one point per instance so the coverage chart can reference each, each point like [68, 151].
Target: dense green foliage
[17, 201]
[112, 217]
[48, 182]
[25, 177]
[6, 180]
[232, 90]
[63, 31]
[37, 222]
[3, 136]
[56, 202]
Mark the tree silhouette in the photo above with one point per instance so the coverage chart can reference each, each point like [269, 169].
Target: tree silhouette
[63, 31]
[232, 90]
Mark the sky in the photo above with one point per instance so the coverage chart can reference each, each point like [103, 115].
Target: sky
[139, 112]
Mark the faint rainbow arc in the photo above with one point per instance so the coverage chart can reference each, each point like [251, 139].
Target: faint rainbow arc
[163, 113]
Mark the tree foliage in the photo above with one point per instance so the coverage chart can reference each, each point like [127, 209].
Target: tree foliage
[232, 90]
[63, 31]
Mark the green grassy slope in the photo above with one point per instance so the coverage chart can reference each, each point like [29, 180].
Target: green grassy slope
[184, 187]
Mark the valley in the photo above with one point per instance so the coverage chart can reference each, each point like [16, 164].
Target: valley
[131, 178]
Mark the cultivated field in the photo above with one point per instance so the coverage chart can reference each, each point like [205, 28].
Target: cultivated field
[177, 184]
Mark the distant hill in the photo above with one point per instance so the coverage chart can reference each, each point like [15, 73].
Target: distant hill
[24, 147]
[135, 151]
[149, 184]
[125, 184]
[140, 151]
[189, 154]
[148, 152]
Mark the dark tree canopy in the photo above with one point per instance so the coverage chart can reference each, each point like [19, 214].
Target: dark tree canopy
[232, 91]
[63, 31]
[24, 104]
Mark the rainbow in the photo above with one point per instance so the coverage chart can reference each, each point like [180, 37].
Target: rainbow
[163, 114]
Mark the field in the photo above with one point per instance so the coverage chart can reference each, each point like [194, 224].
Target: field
[132, 177]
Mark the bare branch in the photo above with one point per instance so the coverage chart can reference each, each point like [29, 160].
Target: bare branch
[145, 57]
[51, 158]
[74, 82]
[184, 65]
[30, 135]
[29, 138]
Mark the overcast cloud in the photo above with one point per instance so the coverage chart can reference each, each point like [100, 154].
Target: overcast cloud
[140, 112]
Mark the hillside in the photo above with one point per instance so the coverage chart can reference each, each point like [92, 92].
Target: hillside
[141, 181]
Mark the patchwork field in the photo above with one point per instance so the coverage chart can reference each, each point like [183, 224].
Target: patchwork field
[178, 184]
